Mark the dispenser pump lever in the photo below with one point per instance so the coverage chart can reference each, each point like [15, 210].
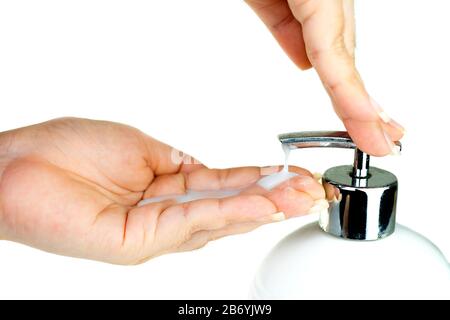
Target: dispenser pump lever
[331, 139]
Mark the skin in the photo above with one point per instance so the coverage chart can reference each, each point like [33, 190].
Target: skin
[321, 34]
[71, 187]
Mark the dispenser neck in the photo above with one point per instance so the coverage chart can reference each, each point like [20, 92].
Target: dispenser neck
[361, 164]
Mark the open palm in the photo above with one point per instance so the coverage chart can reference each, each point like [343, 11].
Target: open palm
[71, 186]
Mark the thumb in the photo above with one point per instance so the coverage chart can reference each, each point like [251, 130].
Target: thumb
[164, 159]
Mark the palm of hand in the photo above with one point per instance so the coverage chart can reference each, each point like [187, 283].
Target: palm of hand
[73, 185]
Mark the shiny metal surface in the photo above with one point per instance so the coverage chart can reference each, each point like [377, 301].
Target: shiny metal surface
[317, 139]
[320, 139]
[361, 164]
[362, 198]
[360, 209]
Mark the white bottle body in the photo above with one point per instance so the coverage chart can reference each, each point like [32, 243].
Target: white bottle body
[311, 264]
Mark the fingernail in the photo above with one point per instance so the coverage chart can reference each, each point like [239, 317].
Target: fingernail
[385, 117]
[315, 209]
[323, 202]
[394, 149]
[317, 176]
[397, 126]
[279, 216]
[319, 205]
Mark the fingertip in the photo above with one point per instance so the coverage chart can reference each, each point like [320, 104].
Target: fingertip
[291, 202]
[369, 136]
[300, 171]
[255, 208]
[319, 206]
[396, 132]
[306, 184]
[251, 205]
[304, 64]
[277, 217]
[392, 127]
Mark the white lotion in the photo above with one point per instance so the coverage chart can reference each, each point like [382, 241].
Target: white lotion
[268, 182]
[271, 181]
[275, 179]
[192, 195]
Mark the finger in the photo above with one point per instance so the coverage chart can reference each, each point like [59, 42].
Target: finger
[213, 214]
[390, 126]
[168, 184]
[234, 178]
[279, 19]
[291, 202]
[217, 179]
[349, 27]
[167, 222]
[265, 171]
[263, 185]
[205, 179]
[164, 227]
[370, 136]
[234, 229]
[164, 159]
[201, 238]
[394, 130]
[333, 193]
[324, 28]
[305, 184]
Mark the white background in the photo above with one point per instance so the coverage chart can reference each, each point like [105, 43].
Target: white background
[207, 77]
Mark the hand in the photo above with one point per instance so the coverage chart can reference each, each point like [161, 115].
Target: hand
[71, 186]
[321, 33]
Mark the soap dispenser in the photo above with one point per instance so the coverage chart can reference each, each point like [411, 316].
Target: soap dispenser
[356, 250]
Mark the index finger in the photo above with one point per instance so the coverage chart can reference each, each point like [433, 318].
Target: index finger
[324, 26]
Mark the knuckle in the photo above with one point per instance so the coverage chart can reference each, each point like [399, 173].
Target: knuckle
[336, 48]
[350, 79]
[201, 244]
[223, 176]
[191, 225]
[216, 236]
[303, 10]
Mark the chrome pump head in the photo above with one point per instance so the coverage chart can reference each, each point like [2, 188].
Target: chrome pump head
[362, 198]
